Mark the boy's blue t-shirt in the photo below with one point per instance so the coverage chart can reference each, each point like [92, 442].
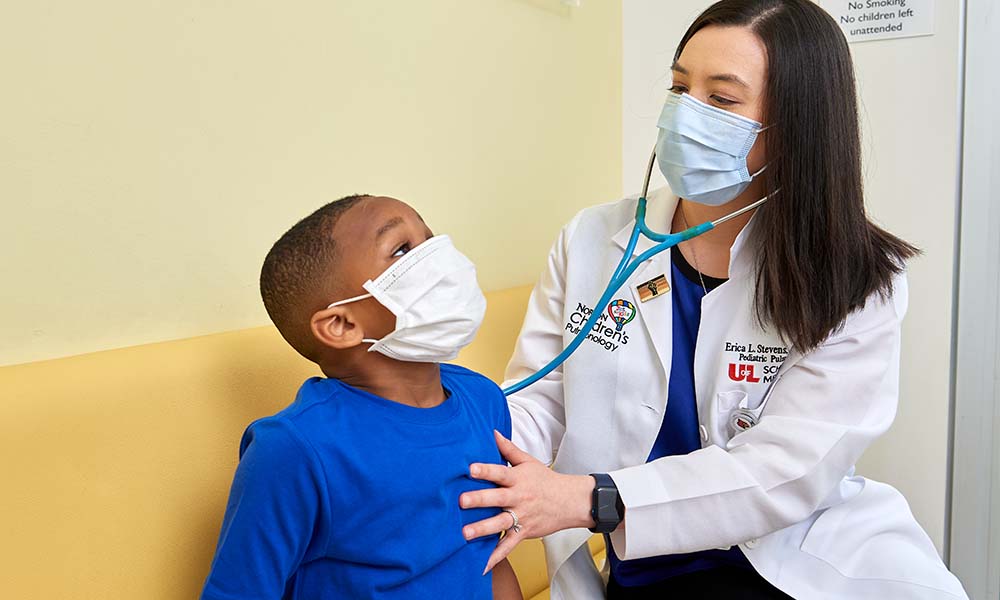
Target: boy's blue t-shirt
[344, 494]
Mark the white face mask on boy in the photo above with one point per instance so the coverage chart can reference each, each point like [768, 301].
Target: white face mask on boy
[437, 301]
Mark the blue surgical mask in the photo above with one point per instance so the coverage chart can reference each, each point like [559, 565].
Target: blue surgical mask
[702, 150]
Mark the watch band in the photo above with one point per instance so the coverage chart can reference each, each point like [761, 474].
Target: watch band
[606, 506]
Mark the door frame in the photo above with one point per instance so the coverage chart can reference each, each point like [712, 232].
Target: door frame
[973, 523]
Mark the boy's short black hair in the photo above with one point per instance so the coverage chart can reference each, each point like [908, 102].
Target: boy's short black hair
[298, 266]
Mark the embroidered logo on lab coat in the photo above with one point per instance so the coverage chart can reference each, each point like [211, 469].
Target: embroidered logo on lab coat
[754, 363]
[622, 312]
[610, 330]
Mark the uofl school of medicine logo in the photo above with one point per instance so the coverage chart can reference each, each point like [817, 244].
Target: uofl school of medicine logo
[742, 372]
[754, 362]
[609, 330]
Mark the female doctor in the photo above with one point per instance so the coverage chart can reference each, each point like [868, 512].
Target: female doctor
[710, 423]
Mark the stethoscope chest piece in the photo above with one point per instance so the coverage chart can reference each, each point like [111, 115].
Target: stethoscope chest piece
[741, 420]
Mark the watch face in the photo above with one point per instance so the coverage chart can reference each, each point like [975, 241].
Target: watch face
[606, 507]
[606, 504]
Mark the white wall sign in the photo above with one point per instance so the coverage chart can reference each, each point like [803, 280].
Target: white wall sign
[866, 20]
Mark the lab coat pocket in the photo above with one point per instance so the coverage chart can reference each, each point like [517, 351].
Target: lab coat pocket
[874, 536]
[727, 401]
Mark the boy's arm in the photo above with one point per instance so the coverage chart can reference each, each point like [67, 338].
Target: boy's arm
[270, 518]
[505, 585]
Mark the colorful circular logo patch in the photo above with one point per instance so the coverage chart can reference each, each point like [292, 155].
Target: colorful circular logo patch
[621, 312]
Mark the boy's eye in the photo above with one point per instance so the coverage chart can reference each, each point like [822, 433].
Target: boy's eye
[401, 250]
[678, 89]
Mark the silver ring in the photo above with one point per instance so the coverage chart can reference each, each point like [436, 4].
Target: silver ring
[516, 527]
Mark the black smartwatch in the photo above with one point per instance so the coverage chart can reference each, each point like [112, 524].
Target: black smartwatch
[606, 506]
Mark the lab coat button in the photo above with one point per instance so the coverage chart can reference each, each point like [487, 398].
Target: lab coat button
[704, 433]
[750, 544]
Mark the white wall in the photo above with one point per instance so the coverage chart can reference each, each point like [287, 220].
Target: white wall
[909, 95]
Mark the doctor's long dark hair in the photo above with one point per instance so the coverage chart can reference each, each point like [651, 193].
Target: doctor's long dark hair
[819, 257]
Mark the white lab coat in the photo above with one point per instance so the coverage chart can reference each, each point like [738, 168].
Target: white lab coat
[784, 491]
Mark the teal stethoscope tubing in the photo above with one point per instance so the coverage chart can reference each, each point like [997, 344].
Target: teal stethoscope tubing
[625, 269]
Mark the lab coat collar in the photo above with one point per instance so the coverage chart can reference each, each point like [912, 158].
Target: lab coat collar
[659, 214]
[740, 256]
[657, 316]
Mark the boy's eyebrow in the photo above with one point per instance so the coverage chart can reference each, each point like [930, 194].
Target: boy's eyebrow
[390, 224]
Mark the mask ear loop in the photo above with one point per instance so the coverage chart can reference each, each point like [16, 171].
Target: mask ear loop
[762, 169]
[355, 299]
[349, 300]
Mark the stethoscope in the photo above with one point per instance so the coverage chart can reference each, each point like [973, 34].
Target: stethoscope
[625, 269]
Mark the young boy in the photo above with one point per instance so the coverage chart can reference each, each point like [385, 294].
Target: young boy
[352, 490]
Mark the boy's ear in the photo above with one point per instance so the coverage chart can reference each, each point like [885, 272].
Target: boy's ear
[336, 328]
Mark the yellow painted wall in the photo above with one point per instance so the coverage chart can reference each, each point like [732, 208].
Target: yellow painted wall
[150, 152]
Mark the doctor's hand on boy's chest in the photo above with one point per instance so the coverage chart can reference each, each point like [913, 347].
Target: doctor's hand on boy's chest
[543, 500]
